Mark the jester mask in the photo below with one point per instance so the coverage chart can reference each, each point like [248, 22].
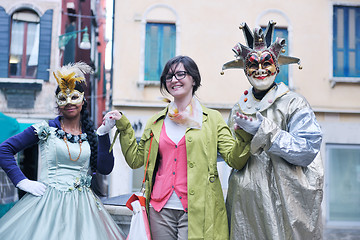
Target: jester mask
[261, 58]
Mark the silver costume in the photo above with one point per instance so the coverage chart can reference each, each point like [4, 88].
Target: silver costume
[278, 194]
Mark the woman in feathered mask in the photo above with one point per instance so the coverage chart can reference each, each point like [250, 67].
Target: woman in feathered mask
[61, 205]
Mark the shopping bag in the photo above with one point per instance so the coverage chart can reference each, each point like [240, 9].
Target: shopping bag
[139, 226]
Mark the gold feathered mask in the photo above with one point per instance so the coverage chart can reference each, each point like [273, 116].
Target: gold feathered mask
[67, 77]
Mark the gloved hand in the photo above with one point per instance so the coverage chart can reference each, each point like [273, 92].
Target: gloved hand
[34, 187]
[106, 126]
[248, 123]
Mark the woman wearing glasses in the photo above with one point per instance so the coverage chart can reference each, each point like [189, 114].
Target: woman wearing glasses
[179, 148]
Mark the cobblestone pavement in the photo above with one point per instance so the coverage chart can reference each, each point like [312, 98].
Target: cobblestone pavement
[341, 234]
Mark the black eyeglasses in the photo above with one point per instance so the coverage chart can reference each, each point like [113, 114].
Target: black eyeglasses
[178, 75]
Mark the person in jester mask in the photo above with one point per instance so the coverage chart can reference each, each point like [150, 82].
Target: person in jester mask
[60, 204]
[278, 194]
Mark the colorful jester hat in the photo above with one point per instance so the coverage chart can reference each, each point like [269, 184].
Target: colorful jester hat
[260, 55]
[67, 77]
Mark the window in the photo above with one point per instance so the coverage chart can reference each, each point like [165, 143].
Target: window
[23, 63]
[346, 41]
[24, 45]
[343, 195]
[283, 75]
[159, 48]
[21, 34]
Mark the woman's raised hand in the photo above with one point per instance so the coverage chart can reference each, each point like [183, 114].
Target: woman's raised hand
[113, 115]
[108, 122]
[249, 124]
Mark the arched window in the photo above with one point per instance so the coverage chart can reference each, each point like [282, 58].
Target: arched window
[24, 44]
[160, 41]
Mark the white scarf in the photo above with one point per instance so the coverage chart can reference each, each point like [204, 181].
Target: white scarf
[191, 117]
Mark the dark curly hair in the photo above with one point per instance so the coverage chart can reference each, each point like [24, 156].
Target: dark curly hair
[88, 128]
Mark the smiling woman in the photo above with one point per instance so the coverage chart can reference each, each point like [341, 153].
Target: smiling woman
[70, 154]
[70, 105]
[180, 145]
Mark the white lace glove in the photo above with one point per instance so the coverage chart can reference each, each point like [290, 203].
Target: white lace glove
[34, 187]
[106, 126]
[248, 123]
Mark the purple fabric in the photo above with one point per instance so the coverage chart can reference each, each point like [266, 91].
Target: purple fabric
[105, 159]
[27, 138]
[12, 146]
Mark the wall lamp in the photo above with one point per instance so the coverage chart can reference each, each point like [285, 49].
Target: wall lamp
[65, 38]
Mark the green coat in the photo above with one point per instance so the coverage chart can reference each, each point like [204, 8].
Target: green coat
[206, 208]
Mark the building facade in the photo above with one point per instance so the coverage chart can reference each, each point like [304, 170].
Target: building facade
[324, 34]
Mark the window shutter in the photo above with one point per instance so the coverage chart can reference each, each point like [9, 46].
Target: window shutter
[169, 40]
[159, 48]
[45, 45]
[283, 75]
[4, 43]
[346, 41]
[152, 52]
[69, 52]
[104, 81]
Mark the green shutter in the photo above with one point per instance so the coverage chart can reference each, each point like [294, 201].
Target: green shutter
[159, 48]
[168, 50]
[69, 51]
[283, 75]
[104, 81]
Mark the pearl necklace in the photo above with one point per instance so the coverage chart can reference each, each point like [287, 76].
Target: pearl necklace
[67, 146]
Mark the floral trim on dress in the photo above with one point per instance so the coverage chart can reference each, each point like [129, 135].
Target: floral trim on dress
[43, 132]
[71, 138]
[83, 181]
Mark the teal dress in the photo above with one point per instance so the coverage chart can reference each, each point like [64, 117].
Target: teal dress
[68, 209]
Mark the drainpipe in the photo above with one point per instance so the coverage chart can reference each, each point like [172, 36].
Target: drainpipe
[112, 58]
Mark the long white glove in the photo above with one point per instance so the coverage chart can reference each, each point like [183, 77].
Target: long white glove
[247, 123]
[106, 126]
[34, 187]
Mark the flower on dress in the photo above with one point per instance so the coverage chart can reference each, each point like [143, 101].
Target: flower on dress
[80, 183]
[61, 133]
[83, 136]
[43, 132]
[85, 180]
[68, 135]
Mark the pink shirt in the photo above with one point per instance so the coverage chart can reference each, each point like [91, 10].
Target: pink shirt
[172, 172]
